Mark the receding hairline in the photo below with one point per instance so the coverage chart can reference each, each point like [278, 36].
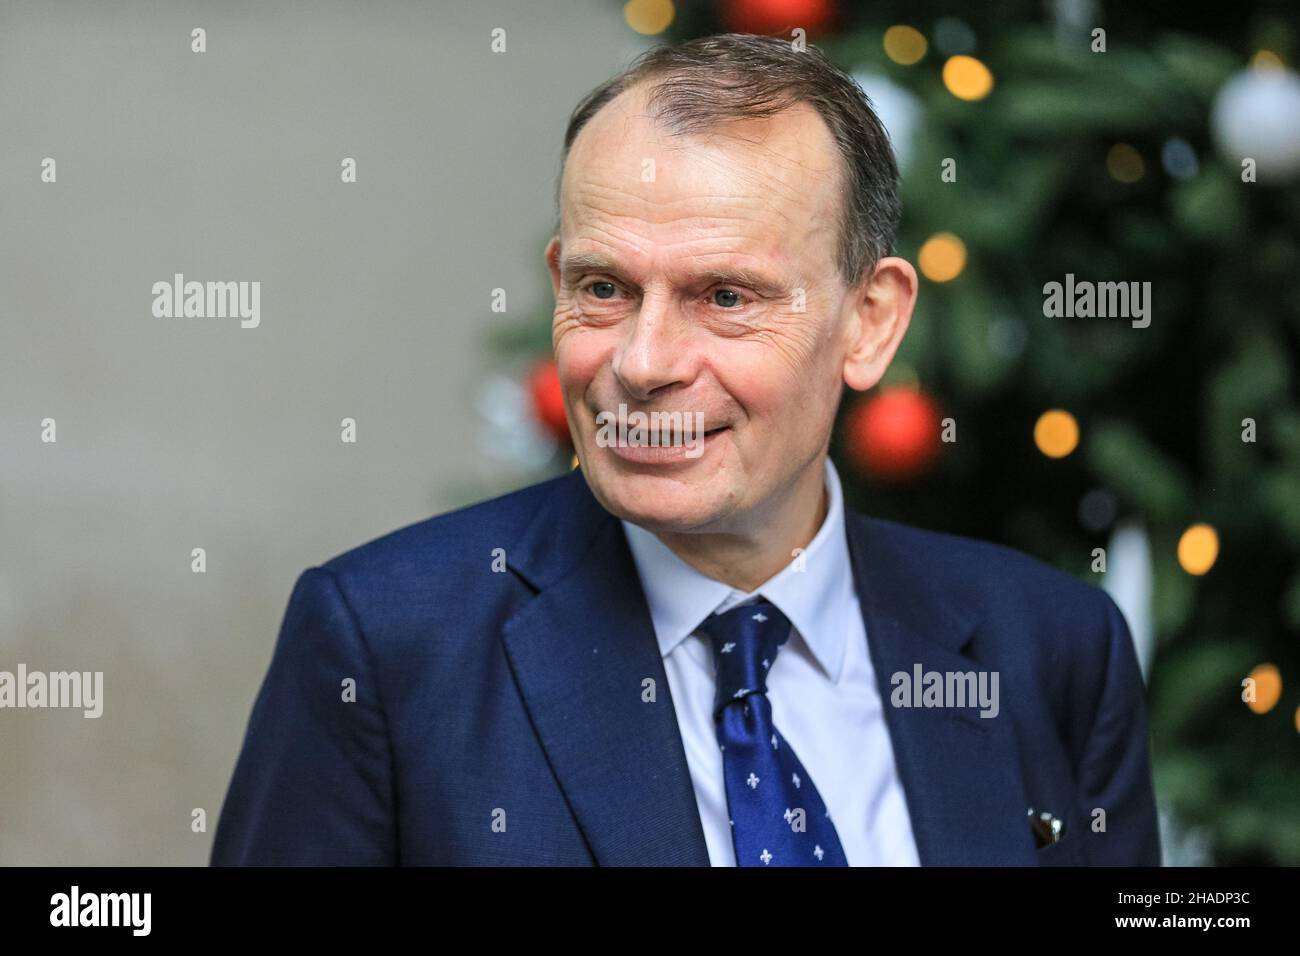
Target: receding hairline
[829, 202]
[705, 84]
[726, 128]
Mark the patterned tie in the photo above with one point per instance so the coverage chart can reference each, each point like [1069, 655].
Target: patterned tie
[777, 815]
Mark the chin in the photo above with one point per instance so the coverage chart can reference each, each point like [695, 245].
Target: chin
[660, 503]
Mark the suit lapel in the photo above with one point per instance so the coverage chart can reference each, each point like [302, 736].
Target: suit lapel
[960, 772]
[582, 651]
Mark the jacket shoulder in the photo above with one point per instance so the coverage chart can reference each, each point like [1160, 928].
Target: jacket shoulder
[440, 543]
[1000, 584]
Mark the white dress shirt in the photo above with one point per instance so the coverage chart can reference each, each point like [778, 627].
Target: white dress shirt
[825, 701]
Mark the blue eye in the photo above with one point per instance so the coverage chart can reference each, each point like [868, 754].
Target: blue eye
[733, 298]
[602, 286]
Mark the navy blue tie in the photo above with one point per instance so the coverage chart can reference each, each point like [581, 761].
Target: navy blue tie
[777, 816]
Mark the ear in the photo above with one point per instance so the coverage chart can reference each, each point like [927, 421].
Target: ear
[880, 309]
[553, 263]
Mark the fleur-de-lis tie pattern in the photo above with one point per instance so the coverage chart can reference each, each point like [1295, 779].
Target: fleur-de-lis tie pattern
[777, 816]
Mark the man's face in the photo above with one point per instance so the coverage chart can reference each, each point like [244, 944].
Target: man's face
[699, 274]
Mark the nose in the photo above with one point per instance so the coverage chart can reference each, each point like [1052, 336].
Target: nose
[657, 352]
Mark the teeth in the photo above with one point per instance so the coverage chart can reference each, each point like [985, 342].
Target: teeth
[641, 437]
[669, 440]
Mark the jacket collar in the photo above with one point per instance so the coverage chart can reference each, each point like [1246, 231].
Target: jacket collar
[813, 591]
[584, 653]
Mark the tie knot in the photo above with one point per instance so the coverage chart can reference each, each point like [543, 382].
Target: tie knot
[745, 641]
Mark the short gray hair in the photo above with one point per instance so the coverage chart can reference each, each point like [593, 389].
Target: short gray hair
[703, 83]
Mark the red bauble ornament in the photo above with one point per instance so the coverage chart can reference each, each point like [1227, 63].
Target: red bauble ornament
[894, 434]
[548, 398]
[767, 17]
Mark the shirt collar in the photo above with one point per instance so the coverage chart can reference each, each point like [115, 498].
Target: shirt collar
[815, 590]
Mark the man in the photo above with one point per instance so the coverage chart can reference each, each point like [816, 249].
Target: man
[688, 652]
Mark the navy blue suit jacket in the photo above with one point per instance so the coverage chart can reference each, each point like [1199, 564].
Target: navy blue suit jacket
[500, 716]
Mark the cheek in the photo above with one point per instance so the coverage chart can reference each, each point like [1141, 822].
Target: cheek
[791, 385]
[762, 390]
[579, 356]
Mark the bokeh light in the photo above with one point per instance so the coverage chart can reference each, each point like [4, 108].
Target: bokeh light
[1097, 509]
[904, 45]
[1268, 688]
[1198, 549]
[1124, 163]
[953, 36]
[649, 17]
[1179, 159]
[1266, 60]
[1056, 433]
[967, 78]
[942, 257]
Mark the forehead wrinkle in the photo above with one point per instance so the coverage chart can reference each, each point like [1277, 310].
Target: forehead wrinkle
[759, 179]
[625, 242]
[621, 207]
[588, 212]
[634, 256]
[619, 228]
[673, 191]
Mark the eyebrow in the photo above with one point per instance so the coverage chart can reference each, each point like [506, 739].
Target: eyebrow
[584, 262]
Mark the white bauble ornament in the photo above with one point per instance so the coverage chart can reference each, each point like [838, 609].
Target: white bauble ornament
[1256, 115]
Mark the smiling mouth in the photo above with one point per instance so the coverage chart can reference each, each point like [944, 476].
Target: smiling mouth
[664, 449]
[668, 439]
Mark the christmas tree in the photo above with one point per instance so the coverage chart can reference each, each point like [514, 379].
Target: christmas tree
[1156, 452]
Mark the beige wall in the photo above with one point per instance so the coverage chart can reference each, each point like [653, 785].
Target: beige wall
[174, 433]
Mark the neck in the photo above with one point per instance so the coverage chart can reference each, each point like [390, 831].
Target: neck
[748, 557]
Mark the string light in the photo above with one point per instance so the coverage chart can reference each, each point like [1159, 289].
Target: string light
[1198, 549]
[942, 257]
[905, 45]
[649, 17]
[1124, 163]
[1056, 433]
[967, 78]
[1268, 688]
